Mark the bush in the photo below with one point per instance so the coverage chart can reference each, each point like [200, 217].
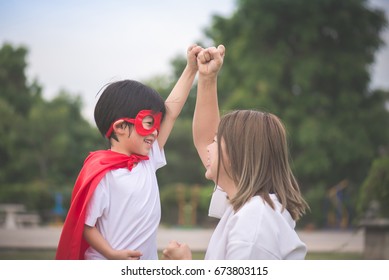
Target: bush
[375, 188]
[37, 197]
[179, 201]
[316, 216]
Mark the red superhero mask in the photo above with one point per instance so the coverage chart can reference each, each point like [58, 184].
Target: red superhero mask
[145, 122]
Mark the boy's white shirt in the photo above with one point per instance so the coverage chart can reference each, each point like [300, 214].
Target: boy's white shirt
[126, 209]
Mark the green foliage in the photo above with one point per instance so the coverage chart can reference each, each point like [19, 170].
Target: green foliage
[316, 217]
[376, 187]
[42, 143]
[183, 162]
[59, 134]
[35, 196]
[13, 82]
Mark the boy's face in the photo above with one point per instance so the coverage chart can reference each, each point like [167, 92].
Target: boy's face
[139, 144]
[139, 138]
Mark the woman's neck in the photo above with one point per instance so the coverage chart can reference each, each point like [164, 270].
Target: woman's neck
[229, 187]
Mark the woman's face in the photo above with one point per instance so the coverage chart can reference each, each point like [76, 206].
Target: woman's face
[212, 162]
[211, 166]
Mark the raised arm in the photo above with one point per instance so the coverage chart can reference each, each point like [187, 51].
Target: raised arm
[206, 115]
[179, 95]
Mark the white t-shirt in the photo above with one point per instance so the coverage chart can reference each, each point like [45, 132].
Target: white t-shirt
[256, 231]
[126, 209]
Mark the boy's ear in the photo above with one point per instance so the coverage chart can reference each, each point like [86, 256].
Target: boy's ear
[118, 127]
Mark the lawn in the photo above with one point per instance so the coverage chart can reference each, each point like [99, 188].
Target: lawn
[50, 254]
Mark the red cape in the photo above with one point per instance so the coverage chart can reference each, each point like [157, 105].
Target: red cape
[72, 245]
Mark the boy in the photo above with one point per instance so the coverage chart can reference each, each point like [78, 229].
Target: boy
[115, 206]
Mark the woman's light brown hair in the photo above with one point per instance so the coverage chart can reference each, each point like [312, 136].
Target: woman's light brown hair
[258, 160]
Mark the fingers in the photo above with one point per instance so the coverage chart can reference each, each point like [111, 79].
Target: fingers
[168, 251]
[192, 53]
[191, 47]
[174, 243]
[177, 251]
[217, 53]
[165, 254]
[210, 53]
[133, 255]
[205, 56]
[194, 50]
[222, 50]
[198, 55]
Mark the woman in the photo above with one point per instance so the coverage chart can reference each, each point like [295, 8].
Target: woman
[248, 160]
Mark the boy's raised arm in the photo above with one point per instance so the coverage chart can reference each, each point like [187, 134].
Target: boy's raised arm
[179, 95]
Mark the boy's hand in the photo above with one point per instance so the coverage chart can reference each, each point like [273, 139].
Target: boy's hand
[210, 60]
[192, 54]
[125, 255]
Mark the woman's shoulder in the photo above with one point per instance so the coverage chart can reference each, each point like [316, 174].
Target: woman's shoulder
[251, 212]
[256, 203]
[257, 211]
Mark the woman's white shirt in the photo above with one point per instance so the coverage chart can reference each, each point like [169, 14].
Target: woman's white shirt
[256, 231]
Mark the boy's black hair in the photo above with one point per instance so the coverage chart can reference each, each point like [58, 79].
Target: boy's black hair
[124, 99]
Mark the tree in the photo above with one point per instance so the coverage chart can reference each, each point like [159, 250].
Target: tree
[308, 62]
[59, 139]
[13, 82]
[42, 143]
[16, 97]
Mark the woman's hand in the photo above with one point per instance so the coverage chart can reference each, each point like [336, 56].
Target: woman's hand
[210, 60]
[177, 251]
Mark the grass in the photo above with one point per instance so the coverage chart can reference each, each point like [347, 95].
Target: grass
[50, 254]
[27, 254]
[310, 256]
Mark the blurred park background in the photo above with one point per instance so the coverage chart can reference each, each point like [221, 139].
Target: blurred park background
[309, 62]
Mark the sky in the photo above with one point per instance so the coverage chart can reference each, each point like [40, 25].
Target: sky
[80, 45]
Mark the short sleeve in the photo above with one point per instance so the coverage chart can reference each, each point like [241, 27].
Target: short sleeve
[157, 156]
[243, 250]
[97, 204]
[244, 234]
